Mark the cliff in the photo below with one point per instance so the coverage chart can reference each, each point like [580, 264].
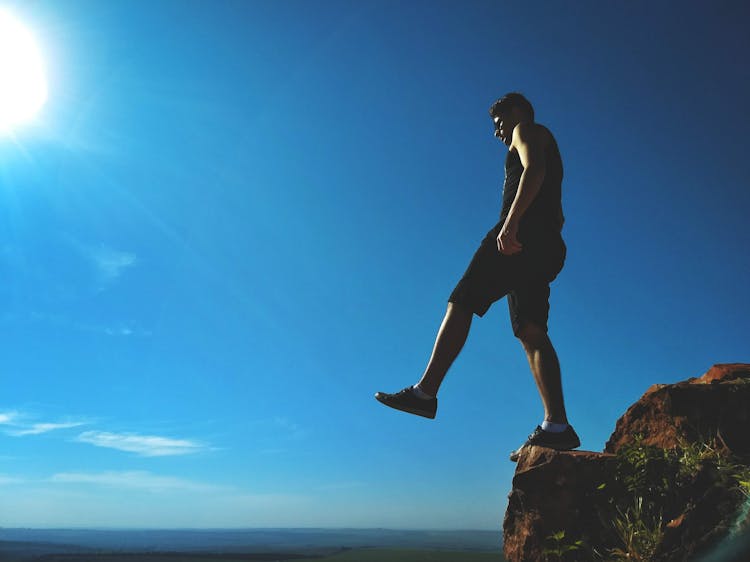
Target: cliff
[672, 484]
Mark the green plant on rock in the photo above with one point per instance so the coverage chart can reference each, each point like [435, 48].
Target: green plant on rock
[649, 485]
[744, 485]
[653, 473]
[638, 464]
[639, 533]
[730, 471]
[693, 456]
[558, 546]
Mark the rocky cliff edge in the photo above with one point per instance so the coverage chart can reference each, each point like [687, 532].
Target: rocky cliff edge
[672, 484]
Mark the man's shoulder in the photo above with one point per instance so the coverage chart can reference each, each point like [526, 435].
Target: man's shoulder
[532, 132]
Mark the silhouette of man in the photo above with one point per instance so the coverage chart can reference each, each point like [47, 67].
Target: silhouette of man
[518, 258]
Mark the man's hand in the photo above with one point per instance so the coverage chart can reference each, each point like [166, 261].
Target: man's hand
[507, 240]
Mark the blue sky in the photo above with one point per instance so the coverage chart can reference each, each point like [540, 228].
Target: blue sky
[233, 222]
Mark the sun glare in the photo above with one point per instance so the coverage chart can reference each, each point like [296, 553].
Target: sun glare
[23, 87]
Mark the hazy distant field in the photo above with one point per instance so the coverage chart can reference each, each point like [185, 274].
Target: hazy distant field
[248, 545]
[353, 555]
[408, 555]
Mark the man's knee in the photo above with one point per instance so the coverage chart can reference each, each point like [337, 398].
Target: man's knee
[458, 309]
[531, 334]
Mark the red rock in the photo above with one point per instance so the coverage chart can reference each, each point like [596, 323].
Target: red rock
[724, 373]
[561, 491]
[554, 491]
[716, 405]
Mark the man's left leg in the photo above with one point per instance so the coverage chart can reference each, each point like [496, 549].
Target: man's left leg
[546, 370]
[529, 307]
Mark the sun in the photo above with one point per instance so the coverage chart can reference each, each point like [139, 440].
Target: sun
[23, 87]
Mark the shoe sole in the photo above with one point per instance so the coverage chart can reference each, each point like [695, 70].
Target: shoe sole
[423, 413]
[515, 455]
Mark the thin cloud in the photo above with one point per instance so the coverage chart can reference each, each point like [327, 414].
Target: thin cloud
[111, 263]
[18, 426]
[143, 445]
[136, 479]
[60, 321]
[122, 331]
[39, 428]
[273, 451]
[346, 485]
[6, 480]
[286, 424]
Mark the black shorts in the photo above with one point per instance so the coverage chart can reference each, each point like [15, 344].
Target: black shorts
[524, 277]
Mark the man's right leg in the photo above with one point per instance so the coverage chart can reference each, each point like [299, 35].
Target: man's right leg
[487, 279]
[421, 399]
[448, 344]
[483, 282]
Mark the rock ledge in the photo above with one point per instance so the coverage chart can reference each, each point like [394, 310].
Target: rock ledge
[582, 492]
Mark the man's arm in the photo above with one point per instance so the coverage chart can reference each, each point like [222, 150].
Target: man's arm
[529, 141]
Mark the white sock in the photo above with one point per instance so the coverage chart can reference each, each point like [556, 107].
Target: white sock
[419, 393]
[554, 427]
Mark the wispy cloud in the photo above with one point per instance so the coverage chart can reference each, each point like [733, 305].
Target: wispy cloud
[111, 263]
[286, 424]
[18, 426]
[144, 445]
[122, 329]
[39, 428]
[273, 451]
[6, 480]
[137, 479]
[345, 485]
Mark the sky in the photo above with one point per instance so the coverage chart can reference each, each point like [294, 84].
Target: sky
[233, 222]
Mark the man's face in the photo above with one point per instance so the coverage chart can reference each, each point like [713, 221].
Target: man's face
[504, 125]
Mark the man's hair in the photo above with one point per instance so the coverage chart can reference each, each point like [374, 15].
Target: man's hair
[508, 102]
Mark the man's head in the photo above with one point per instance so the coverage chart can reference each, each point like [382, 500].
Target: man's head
[509, 111]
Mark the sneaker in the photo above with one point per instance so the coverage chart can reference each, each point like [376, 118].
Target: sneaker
[406, 401]
[563, 441]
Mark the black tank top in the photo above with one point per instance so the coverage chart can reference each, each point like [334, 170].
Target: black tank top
[544, 217]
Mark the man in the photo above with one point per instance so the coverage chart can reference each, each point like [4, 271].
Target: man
[518, 257]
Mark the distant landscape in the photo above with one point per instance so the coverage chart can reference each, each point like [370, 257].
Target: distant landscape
[322, 545]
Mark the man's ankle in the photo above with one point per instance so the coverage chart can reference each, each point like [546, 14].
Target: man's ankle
[420, 392]
[554, 427]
